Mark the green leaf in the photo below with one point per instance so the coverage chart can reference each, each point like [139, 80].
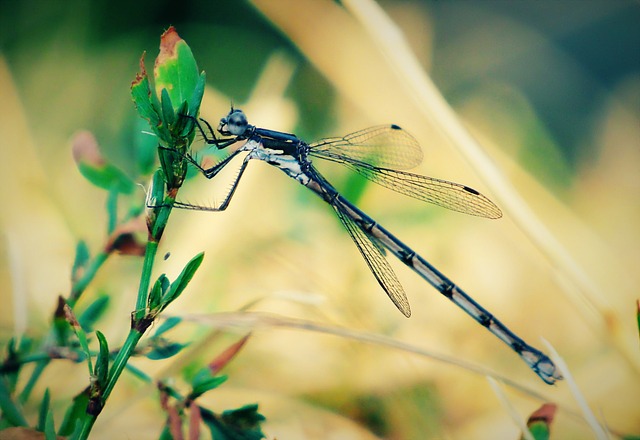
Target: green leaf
[204, 381]
[184, 126]
[168, 114]
[196, 98]
[165, 350]
[167, 325]
[81, 260]
[94, 167]
[94, 312]
[102, 362]
[112, 210]
[239, 424]
[44, 410]
[182, 281]
[81, 335]
[157, 190]
[246, 418]
[144, 99]
[175, 69]
[157, 291]
[10, 411]
[144, 147]
[75, 413]
[49, 428]
[106, 176]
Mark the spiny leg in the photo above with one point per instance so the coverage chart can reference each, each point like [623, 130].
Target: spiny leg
[227, 199]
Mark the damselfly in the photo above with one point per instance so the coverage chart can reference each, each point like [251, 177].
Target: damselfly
[380, 154]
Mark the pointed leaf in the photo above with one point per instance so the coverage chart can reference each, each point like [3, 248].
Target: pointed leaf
[144, 146]
[82, 337]
[94, 312]
[49, 428]
[246, 418]
[168, 114]
[165, 350]
[196, 98]
[182, 280]
[204, 381]
[10, 411]
[226, 356]
[75, 413]
[81, 260]
[157, 291]
[184, 128]
[167, 325]
[240, 424]
[44, 410]
[156, 192]
[143, 97]
[102, 362]
[175, 69]
[93, 166]
[112, 210]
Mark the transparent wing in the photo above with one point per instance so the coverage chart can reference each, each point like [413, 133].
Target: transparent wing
[378, 264]
[443, 193]
[384, 145]
[380, 153]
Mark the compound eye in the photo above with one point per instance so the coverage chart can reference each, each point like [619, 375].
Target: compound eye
[237, 123]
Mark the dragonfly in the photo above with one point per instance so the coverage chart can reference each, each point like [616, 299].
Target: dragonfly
[381, 154]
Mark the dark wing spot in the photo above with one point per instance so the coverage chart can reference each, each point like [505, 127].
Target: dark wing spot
[471, 190]
[395, 127]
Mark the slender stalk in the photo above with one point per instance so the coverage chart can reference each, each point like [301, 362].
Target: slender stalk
[145, 280]
[35, 375]
[140, 320]
[87, 277]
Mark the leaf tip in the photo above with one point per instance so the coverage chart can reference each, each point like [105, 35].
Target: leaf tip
[85, 149]
[168, 42]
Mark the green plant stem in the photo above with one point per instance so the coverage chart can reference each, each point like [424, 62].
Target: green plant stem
[120, 362]
[140, 319]
[145, 280]
[118, 366]
[86, 278]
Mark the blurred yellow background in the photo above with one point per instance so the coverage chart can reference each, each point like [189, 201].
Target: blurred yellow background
[550, 90]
